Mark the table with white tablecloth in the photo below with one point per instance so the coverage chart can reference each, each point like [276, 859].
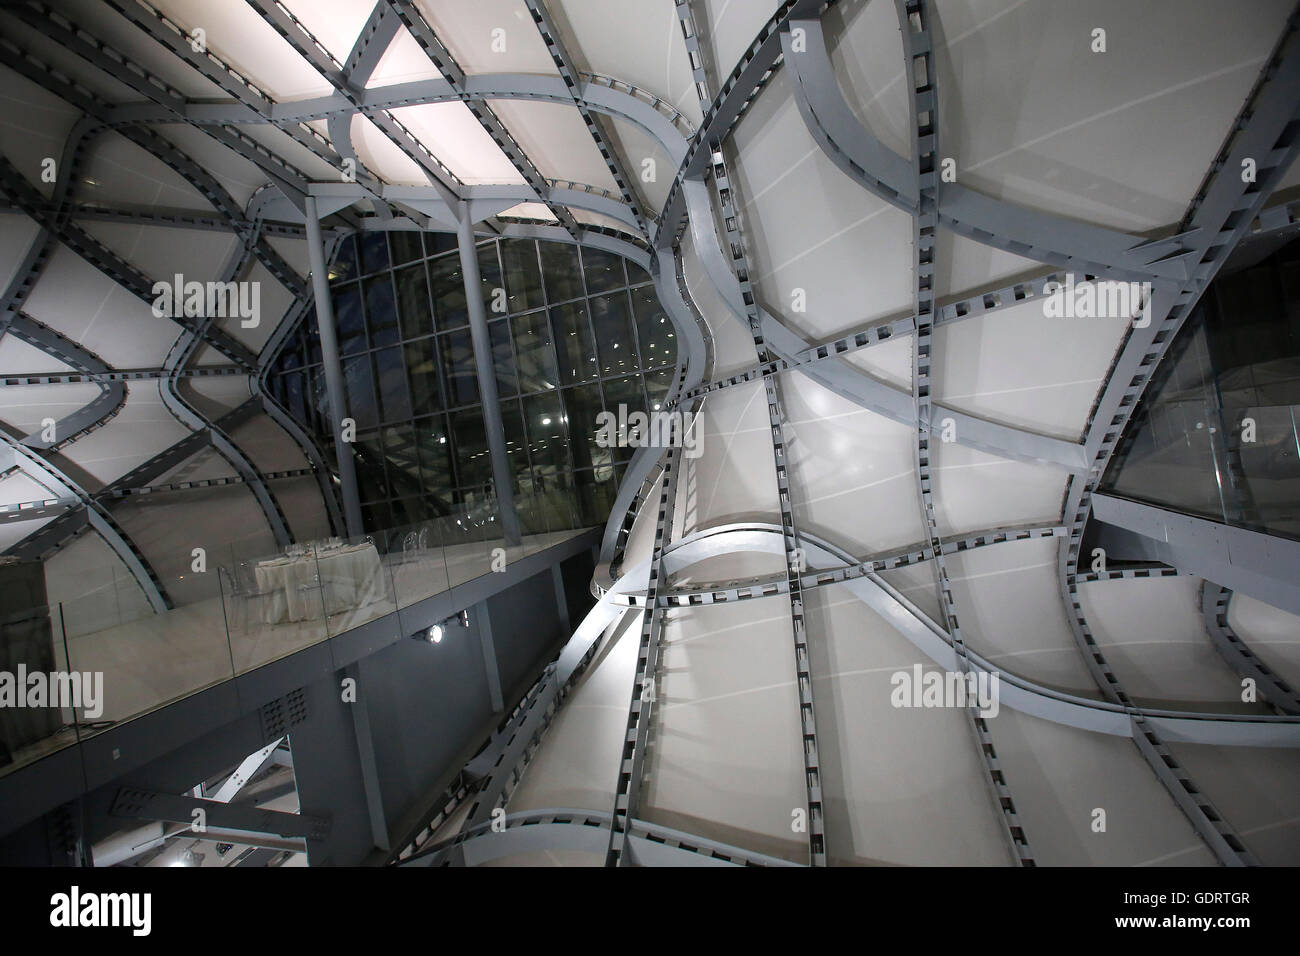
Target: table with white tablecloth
[349, 577]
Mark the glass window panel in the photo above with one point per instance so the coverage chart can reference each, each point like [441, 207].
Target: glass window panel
[595, 494]
[390, 381]
[489, 273]
[376, 516]
[604, 270]
[562, 271]
[614, 336]
[345, 262]
[624, 391]
[403, 459]
[448, 290]
[547, 437]
[313, 340]
[654, 331]
[458, 369]
[512, 421]
[473, 464]
[533, 352]
[503, 357]
[422, 375]
[434, 452]
[350, 321]
[582, 407]
[437, 243]
[523, 277]
[373, 249]
[359, 385]
[293, 391]
[405, 247]
[290, 357]
[657, 385]
[413, 301]
[381, 313]
[635, 274]
[577, 348]
[369, 452]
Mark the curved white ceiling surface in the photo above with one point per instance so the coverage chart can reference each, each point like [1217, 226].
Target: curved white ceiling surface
[1032, 119]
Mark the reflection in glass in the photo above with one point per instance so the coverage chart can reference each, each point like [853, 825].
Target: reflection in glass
[577, 347]
[562, 271]
[458, 368]
[523, 278]
[604, 271]
[413, 301]
[609, 315]
[533, 352]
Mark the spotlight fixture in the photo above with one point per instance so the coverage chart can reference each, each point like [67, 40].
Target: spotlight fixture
[434, 634]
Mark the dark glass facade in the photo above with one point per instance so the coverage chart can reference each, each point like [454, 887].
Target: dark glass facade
[1216, 434]
[573, 332]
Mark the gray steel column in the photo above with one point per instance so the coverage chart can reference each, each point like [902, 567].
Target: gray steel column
[487, 380]
[329, 350]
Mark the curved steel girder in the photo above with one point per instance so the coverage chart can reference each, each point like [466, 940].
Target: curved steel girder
[52, 478]
[1004, 441]
[584, 831]
[696, 595]
[572, 79]
[1238, 655]
[670, 130]
[645, 459]
[92, 415]
[1222, 212]
[181, 352]
[445, 62]
[1018, 229]
[928, 637]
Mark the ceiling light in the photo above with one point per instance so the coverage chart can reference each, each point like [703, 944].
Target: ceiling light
[434, 634]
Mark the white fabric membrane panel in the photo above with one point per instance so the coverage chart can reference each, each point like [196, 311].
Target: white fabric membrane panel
[656, 61]
[734, 478]
[1256, 789]
[1153, 635]
[852, 472]
[335, 24]
[1022, 368]
[1010, 609]
[975, 491]
[238, 34]
[651, 169]
[237, 176]
[117, 172]
[889, 361]
[577, 763]
[902, 785]
[272, 300]
[162, 253]
[816, 240]
[866, 48]
[34, 125]
[727, 760]
[76, 299]
[1121, 138]
[729, 28]
[1060, 776]
[963, 266]
[16, 238]
[19, 358]
[1272, 634]
[379, 154]
[733, 344]
[452, 133]
[25, 407]
[142, 429]
[489, 36]
[557, 141]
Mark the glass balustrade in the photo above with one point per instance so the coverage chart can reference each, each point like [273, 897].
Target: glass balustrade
[243, 610]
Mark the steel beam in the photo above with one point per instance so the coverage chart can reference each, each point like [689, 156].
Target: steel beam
[1238, 655]
[333, 372]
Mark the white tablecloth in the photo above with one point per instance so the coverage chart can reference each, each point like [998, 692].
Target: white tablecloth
[350, 577]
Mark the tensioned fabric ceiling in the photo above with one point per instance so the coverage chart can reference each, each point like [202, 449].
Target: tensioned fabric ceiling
[788, 161]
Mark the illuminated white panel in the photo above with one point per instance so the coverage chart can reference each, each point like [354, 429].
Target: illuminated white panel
[383, 157]
[238, 34]
[335, 24]
[490, 36]
[454, 135]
